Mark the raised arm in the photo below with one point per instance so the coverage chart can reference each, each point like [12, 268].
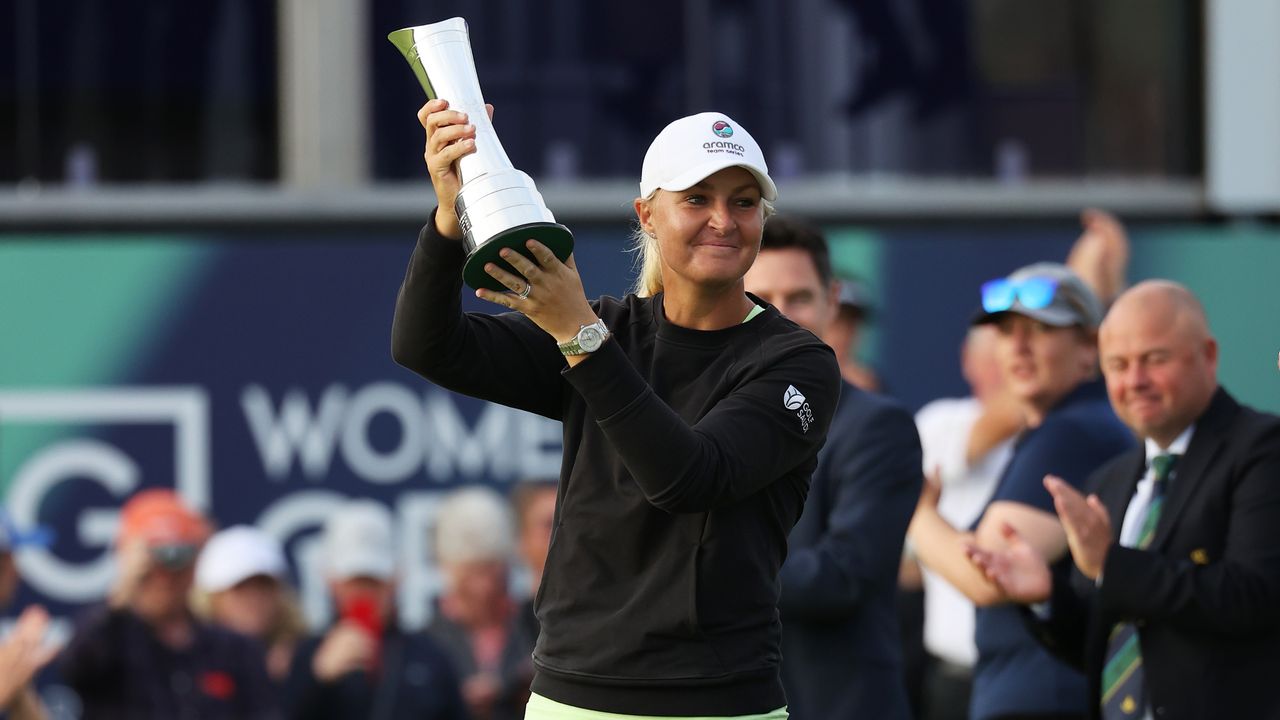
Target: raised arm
[504, 358]
[501, 358]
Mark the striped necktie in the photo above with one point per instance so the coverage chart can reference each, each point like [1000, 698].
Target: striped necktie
[1123, 689]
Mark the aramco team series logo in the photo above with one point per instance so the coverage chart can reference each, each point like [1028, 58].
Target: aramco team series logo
[722, 129]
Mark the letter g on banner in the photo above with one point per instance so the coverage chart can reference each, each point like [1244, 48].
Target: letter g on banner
[49, 467]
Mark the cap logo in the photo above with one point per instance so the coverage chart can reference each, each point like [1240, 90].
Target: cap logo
[722, 129]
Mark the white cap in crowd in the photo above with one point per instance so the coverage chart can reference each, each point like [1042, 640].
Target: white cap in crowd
[236, 554]
[474, 524]
[697, 146]
[359, 541]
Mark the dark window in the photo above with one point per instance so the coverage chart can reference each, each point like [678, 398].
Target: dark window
[978, 88]
[137, 90]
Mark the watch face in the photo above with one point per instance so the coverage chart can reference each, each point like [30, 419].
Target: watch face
[590, 338]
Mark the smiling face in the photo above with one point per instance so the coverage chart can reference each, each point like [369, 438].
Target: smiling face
[708, 235]
[1041, 363]
[1159, 360]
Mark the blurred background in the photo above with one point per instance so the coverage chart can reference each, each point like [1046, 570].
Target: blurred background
[206, 208]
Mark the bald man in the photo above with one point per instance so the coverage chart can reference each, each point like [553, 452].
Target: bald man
[1175, 611]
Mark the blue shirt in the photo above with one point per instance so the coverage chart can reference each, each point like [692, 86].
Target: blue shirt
[1014, 673]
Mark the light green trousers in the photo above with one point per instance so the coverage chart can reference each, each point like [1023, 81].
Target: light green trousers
[540, 708]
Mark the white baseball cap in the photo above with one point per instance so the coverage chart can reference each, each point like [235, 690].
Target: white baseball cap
[236, 554]
[474, 524]
[359, 542]
[694, 147]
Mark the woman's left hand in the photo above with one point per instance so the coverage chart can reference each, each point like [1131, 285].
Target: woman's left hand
[554, 299]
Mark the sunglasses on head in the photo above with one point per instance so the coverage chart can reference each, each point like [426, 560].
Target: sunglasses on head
[1033, 293]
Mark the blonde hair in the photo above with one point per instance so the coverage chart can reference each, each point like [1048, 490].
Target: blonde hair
[648, 262]
[288, 626]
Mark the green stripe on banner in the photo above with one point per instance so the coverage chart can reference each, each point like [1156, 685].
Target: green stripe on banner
[84, 312]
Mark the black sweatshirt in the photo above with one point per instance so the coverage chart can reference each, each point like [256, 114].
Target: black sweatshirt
[687, 457]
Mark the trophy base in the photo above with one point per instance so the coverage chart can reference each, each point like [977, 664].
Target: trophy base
[554, 235]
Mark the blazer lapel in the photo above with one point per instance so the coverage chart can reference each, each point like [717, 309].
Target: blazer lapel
[1192, 472]
[1119, 491]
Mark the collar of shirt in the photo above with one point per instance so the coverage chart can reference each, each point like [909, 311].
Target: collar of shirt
[1177, 447]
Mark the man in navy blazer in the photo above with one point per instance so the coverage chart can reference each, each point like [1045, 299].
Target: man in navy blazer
[841, 654]
[1175, 610]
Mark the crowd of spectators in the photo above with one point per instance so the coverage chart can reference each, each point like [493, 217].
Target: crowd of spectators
[1087, 532]
[203, 624]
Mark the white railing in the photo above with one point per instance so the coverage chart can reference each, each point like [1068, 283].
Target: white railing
[827, 199]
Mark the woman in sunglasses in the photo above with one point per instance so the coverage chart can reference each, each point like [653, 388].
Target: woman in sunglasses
[692, 416]
[1046, 347]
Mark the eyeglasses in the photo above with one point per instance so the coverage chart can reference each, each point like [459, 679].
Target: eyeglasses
[1033, 293]
[174, 557]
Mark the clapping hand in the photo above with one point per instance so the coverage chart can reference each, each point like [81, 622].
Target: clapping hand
[1087, 524]
[23, 653]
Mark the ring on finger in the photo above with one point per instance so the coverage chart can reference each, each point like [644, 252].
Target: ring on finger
[524, 294]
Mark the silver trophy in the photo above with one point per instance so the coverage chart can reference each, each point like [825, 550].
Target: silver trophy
[498, 206]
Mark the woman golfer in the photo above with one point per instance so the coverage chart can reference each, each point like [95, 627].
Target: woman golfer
[692, 414]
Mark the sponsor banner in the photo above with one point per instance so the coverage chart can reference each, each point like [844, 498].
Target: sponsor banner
[252, 373]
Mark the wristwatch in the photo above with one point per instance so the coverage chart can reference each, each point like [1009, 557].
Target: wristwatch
[588, 340]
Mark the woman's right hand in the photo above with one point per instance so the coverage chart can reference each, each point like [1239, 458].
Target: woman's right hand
[346, 648]
[449, 138]
[135, 562]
